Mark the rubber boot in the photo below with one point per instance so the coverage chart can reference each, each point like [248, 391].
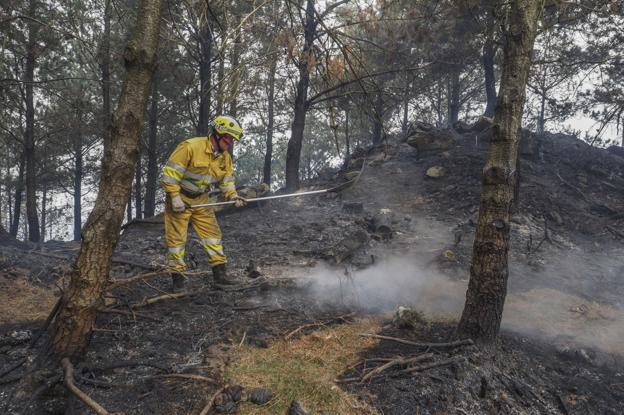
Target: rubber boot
[219, 274]
[177, 283]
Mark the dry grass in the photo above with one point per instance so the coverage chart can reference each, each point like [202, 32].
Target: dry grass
[21, 301]
[305, 369]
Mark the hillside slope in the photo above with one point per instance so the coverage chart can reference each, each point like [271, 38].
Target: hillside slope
[395, 237]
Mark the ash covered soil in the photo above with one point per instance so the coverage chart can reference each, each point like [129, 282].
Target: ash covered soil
[401, 235]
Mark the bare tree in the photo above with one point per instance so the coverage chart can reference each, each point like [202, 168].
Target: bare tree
[487, 289]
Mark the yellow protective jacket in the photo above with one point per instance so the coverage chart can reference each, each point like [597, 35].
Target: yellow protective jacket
[194, 167]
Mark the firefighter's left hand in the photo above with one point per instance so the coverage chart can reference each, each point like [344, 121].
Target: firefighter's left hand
[239, 201]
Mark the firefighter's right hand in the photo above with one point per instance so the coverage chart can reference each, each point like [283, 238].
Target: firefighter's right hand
[177, 204]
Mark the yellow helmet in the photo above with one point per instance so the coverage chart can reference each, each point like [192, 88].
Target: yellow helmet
[224, 124]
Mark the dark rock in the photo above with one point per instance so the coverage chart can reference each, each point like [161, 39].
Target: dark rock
[296, 409]
[433, 141]
[235, 392]
[227, 408]
[260, 396]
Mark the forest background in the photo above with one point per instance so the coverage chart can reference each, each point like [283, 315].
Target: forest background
[310, 81]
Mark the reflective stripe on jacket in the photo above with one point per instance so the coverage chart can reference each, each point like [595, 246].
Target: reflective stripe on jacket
[194, 167]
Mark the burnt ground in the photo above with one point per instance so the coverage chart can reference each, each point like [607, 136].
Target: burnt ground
[326, 256]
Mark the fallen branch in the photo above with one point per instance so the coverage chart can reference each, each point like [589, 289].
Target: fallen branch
[212, 400]
[444, 362]
[151, 300]
[187, 376]
[615, 231]
[133, 314]
[69, 382]
[12, 367]
[317, 324]
[456, 343]
[125, 281]
[399, 361]
[118, 282]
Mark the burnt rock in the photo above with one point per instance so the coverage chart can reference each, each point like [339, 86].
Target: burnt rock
[260, 396]
[433, 141]
[296, 409]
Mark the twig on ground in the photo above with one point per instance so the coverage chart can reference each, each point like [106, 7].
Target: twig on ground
[615, 231]
[317, 324]
[130, 363]
[69, 382]
[187, 376]
[118, 282]
[128, 313]
[399, 361]
[10, 379]
[212, 400]
[151, 300]
[12, 367]
[456, 343]
[444, 362]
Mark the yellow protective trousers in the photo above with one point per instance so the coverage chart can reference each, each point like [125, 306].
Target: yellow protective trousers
[206, 227]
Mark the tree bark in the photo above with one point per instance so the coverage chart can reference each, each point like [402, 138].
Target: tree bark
[487, 288]
[19, 189]
[106, 81]
[268, 156]
[29, 136]
[347, 155]
[454, 96]
[152, 162]
[129, 208]
[138, 200]
[487, 59]
[78, 174]
[378, 119]
[205, 46]
[73, 325]
[237, 75]
[44, 211]
[293, 153]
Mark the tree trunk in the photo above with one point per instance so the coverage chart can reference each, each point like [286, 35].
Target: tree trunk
[220, 83]
[235, 79]
[19, 189]
[72, 328]
[268, 156]
[138, 201]
[347, 155]
[454, 95]
[541, 121]
[293, 153]
[406, 100]
[78, 174]
[44, 206]
[106, 81]
[205, 45]
[378, 119]
[152, 162]
[487, 59]
[29, 136]
[9, 192]
[487, 288]
[129, 207]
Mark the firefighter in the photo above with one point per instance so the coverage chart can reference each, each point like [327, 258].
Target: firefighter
[198, 168]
